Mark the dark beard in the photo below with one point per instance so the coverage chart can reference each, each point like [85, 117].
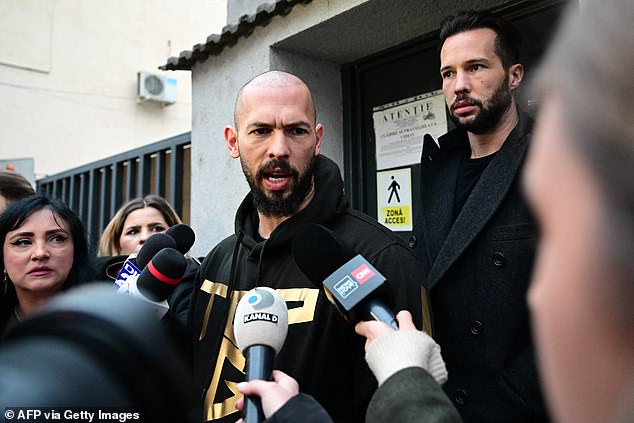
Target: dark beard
[278, 205]
[490, 115]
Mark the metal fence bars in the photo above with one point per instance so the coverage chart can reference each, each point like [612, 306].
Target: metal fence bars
[96, 191]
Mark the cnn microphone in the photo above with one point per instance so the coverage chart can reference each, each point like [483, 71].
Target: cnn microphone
[260, 327]
[158, 279]
[350, 282]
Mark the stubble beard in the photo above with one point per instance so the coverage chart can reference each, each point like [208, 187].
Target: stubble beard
[279, 203]
[490, 115]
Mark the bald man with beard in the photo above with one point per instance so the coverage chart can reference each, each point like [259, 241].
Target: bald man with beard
[277, 138]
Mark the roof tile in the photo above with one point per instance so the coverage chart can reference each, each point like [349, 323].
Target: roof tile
[231, 33]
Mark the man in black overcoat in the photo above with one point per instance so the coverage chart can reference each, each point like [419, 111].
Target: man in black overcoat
[474, 233]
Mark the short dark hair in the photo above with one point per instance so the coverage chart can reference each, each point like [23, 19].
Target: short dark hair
[15, 215]
[14, 186]
[507, 42]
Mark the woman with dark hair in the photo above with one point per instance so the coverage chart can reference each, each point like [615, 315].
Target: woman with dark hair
[43, 252]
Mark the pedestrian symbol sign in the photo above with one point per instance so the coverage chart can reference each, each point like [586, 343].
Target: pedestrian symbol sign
[394, 199]
[393, 188]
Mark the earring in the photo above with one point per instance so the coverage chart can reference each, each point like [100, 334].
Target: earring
[5, 283]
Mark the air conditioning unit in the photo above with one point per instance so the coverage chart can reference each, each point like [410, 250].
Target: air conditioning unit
[156, 87]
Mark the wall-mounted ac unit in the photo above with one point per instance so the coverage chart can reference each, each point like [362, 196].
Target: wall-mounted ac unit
[156, 87]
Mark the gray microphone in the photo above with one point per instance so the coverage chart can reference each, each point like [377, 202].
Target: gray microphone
[260, 327]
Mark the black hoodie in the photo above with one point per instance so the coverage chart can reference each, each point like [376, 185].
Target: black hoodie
[321, 350]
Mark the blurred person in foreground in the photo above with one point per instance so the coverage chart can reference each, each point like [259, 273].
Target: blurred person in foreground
[579, 180]
[13, 187]
[92, 348]
[44, 252]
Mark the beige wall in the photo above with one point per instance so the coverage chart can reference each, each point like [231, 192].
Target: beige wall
[68, 73]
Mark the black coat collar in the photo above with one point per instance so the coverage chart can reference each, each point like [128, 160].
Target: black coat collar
[446, 240]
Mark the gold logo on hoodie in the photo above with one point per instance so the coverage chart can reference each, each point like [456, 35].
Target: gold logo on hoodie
[230, 355]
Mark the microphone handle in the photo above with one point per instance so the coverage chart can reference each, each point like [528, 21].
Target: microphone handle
[259, 366]
[377, 310]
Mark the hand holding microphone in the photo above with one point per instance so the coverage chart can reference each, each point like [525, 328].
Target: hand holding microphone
[354, 287]
[388, 351]
[273, 394]
[260, 328]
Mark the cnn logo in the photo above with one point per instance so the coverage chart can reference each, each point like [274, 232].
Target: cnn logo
[362, 273]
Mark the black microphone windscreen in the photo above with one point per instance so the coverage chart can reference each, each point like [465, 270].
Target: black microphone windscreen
[152, 246]
[318, 252]
[161, 275]
[183, 235]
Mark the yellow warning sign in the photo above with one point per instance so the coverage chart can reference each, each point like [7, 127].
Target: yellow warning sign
[394, 199]
[396, 216]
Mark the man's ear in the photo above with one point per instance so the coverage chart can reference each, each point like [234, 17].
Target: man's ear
[319, 132]
[231, 138]
[516, 74]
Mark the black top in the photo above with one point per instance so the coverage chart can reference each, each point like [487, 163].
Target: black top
[468, 176]
[321, 351]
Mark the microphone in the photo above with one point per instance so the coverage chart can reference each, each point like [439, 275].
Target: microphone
[157, 280]
[350, 282]
[183, 235]
[133, 265]
[161, 275]
[152, 246]
[260, 326]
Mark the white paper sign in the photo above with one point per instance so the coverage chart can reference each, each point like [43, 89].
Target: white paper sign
[399, 128]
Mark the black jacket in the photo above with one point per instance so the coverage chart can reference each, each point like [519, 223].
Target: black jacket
[478, 269]
[321, 351]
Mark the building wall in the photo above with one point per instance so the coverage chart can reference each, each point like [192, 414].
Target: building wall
[313, 41]
[68, 72]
